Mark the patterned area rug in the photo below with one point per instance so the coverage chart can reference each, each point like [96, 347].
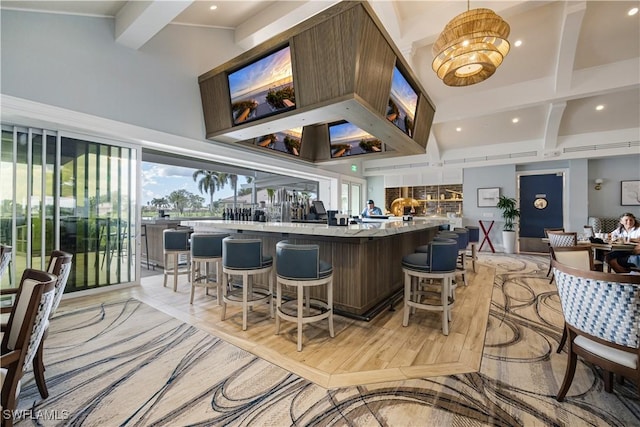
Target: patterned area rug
[128, 364]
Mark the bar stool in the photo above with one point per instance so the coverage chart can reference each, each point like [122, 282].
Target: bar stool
[207, 249]
[474, 239]
[243, 257]
[438, 263]
[300, 266]
[463, 242]
[143, 233]
[442, 235]
[175, 243]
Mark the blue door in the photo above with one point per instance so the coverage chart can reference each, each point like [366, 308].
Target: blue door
[540, 208]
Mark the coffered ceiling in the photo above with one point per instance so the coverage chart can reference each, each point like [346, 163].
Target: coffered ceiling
[574, 56]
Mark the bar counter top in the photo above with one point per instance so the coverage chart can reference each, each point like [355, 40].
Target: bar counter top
[368, 228]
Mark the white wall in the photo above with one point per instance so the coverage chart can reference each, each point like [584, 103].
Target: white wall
[375, 190]
[503, 177]
[73, 62]
[581, 197]
[606, 202]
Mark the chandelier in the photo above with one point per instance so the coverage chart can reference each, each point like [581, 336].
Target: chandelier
[471, 47]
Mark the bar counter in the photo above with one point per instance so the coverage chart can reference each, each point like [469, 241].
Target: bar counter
[152, 242]
[366, 257]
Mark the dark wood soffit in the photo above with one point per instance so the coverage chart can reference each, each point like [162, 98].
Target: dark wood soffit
[280, 39]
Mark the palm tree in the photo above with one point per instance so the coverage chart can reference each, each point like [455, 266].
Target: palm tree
[233, 180]
[180, 199]
[209, 183]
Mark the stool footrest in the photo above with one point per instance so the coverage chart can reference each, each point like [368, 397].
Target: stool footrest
[256, 296]
[289, 311]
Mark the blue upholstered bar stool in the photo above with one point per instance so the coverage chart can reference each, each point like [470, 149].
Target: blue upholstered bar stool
[300, 266]
[438, 263]
[244, 258]
[174, 244]
[442, 235]
[474, 239]
[206, 249]
[463, 242]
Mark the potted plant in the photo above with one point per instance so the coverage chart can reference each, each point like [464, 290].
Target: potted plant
[509, 213]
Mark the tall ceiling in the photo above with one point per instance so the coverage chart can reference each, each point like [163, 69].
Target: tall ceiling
[574, 56]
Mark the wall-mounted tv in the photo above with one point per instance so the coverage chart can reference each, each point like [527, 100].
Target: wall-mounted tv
[287, 141]
[262, 88]
[347, 139]
[403, 101]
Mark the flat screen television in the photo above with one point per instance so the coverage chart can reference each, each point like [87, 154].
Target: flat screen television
[403, 100]
[287, 141]
[262, 88]
[346, 139]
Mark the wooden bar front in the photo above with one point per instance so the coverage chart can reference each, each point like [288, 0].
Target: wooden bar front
[367, 269]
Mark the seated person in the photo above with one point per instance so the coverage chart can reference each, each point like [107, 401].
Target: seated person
[626, 261]
[629, 230]
[371, 209]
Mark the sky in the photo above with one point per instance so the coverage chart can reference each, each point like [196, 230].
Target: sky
[160, 180]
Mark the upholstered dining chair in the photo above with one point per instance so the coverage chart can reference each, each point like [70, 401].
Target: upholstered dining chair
[5, 260]
[561, 239]
[546, 235]
[23, 332]
[604, 332]
[580, 257]
[59, 266]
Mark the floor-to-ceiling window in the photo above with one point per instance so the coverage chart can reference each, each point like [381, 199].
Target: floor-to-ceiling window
[350, 198]
[72, 194]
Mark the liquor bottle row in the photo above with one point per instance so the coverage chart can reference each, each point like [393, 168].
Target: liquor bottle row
[243, 214]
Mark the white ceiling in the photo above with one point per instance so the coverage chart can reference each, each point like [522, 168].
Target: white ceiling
[574, 55]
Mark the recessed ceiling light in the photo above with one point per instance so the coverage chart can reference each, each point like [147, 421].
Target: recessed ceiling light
[632, 11]
[458, 129]
[515, 120]
[213, 7]
[600, 107]
[518, 43]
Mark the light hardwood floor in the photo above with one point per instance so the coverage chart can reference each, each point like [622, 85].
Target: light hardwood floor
[361, 352]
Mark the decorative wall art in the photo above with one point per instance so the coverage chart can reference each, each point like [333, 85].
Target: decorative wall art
[630, 193]
[488, 197]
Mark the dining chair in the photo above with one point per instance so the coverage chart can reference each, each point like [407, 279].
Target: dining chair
[59, 266]
[22, 333]
[546, 234]
[561, 239]
[604, 332]
[5, 261]
[580, 257]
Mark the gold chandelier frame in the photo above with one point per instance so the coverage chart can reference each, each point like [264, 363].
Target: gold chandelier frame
[471, 47]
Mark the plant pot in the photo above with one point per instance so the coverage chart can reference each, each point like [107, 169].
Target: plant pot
[509, 241]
